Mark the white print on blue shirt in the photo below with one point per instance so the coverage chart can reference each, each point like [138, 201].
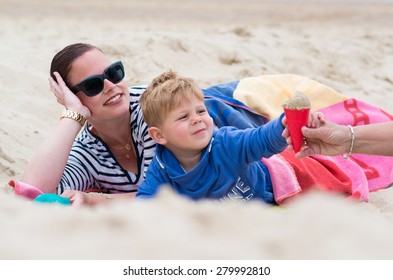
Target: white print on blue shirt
[239, 191]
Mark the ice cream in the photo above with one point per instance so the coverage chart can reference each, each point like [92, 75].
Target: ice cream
[297, 109]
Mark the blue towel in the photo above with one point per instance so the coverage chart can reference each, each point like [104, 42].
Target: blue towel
[227, 111]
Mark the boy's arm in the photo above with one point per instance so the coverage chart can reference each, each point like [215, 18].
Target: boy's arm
[249, 145]
[149, 186]
[271, 137]
[145, 191]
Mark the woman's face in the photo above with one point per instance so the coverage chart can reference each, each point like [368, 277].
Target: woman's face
[113, 101]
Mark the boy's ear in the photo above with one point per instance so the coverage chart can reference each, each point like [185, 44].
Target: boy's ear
[157, 136]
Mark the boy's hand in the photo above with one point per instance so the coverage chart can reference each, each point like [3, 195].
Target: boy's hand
[316, 119]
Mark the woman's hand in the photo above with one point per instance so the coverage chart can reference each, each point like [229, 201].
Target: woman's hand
[326, 139]
[66, 97]
[320, 137]
[77, 198]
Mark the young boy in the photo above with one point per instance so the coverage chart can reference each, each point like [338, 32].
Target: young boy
[195, 158]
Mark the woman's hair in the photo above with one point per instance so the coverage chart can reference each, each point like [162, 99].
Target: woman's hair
[165, 93]
[62, 61]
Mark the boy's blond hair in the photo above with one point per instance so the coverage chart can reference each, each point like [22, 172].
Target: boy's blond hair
[164, 94]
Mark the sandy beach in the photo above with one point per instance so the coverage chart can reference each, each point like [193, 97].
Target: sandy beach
[347, 46]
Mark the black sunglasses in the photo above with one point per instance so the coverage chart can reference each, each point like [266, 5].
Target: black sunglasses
[93, 85]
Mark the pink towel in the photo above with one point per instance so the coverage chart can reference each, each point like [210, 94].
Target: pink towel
[377, 169]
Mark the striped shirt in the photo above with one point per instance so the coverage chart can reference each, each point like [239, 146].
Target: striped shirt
[91, 164]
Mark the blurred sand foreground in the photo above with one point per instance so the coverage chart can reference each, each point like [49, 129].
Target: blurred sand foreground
[345, 46]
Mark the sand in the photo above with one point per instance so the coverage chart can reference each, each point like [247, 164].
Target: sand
[298, 101]
[346, 45]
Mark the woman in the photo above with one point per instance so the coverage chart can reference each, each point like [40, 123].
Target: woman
[113, 150]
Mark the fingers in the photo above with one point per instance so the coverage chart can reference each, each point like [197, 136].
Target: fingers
[316, 119]
[76, 201]
[59, 79]
[284, 121]
[54, 86]
[76, 197]
[307, 132]
[67, 193]
[305, 153]
[313, 133]
[57, 85]
[320, 119]
[62, 93]
[285, 133]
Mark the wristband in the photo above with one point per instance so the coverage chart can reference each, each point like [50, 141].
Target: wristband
[347, 155]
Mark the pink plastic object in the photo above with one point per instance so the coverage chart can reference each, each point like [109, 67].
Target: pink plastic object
[24, 189]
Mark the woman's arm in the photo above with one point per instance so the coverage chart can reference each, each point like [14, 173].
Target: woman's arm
[375, 139]
[333, 139]
[46, 167]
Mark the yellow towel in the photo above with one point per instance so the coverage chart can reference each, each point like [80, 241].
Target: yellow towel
[266, 93]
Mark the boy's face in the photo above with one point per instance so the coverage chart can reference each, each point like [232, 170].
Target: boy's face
[188, 127]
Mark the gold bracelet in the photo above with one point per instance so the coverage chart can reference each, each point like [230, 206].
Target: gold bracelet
[73, 115]
[347, 155]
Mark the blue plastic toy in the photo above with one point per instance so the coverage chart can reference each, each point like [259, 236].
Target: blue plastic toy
[52, 198]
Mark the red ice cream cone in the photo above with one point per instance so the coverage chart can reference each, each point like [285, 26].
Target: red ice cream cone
[296, 119]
